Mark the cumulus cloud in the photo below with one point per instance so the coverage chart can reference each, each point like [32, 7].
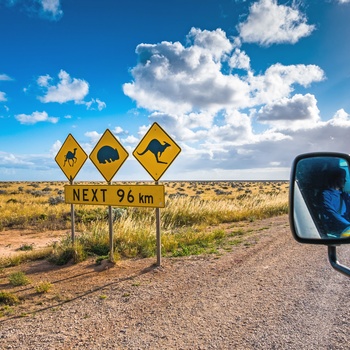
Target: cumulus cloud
[279, 81]
[294, 113]
[170, 76]
[94, 136]
[269, 23]
[47, 9]
[35, 117]
[67, 89]
[9, 159]
[222, 113]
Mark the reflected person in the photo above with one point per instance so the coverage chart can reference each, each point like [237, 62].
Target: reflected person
[336, 204]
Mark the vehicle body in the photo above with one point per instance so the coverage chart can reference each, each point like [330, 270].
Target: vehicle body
[311, 219]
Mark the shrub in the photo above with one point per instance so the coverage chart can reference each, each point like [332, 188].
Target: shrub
[43, 287]
[7, 298]
[56, 200]
[19, 279]
[66, 252]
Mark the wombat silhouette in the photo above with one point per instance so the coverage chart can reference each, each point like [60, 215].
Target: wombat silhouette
[156, 148]
[107, 154]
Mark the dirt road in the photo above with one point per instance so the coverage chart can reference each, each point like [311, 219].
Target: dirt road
[274, 294]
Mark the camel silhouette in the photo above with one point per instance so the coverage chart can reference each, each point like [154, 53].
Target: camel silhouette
[156, 148]
[70, 157]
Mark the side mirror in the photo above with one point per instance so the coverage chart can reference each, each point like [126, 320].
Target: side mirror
[319, 201]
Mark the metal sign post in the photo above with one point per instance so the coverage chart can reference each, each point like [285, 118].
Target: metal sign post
[156, 152]
[158, 236]
[72, 219]
[108, 156]
[70, 158]
[111, 234]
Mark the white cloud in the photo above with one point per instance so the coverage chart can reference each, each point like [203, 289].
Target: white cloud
[36, 117]
[298, 112]
[171, 77]
[344, 1]
[5, 77]
[2, 97]
[67, 89]
[341, 119]
[131, 140]
[94, 136]
[55, 148]
[52, 8]
[214, 42]
[118, 130]
[100, 105]
[9, 159]
[210, 110]
[48, 9]
[269, 23]
[278, 81]
[240, 60]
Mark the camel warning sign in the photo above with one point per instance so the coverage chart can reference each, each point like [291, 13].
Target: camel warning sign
[156, 151]
[108, 155]
[70, 158]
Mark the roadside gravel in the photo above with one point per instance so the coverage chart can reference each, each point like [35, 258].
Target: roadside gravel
[273, 294]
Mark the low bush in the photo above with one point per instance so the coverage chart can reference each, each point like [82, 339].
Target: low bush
[7, 298]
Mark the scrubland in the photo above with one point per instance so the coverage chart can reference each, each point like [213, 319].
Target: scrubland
[189, 222]
[199, 218]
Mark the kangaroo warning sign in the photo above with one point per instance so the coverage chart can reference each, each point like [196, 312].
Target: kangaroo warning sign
[70, 157]
[156, 151]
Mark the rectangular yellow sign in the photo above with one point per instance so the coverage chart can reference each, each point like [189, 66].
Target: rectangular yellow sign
[116, 195]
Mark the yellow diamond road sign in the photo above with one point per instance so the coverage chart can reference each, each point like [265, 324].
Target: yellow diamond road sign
[156, 151]
[70, 157]
[108, 155]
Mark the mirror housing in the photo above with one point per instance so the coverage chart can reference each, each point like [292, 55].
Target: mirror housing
[318, 196]
[317, 211]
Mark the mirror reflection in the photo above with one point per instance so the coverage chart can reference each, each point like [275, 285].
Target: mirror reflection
[322, 198]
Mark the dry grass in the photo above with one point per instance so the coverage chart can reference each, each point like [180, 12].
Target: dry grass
[190, 208]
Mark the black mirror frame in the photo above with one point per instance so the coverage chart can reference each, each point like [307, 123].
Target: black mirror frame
[328, 242]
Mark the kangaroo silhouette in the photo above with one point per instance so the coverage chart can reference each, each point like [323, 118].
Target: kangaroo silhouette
[70, 156]
[156, 148]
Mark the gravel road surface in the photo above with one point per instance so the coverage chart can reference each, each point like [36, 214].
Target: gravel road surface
[273, 294]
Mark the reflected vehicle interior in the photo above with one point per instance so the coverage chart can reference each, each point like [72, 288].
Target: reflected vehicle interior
[310, 178]
[313, 197]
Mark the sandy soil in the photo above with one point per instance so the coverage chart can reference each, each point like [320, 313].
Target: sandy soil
[272, 293]
[11, 241]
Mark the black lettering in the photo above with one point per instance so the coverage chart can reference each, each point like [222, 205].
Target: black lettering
[76, 194]
[85, 194]
[149, 199]
[103, 190]
[145, 199]
[94, 195]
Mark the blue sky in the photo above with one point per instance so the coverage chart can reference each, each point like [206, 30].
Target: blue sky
[241, 86]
